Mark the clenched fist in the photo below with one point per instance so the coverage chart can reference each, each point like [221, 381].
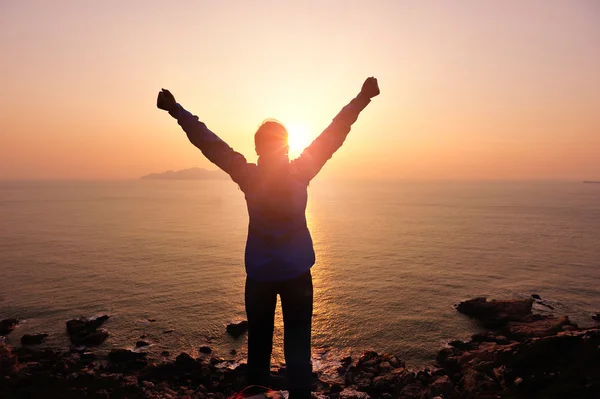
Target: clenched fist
[370, 88]
[166, 100]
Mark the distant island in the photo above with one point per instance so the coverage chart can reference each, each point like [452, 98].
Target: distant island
[187, 174]
[592, 181]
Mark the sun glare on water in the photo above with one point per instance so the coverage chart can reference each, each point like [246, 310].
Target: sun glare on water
[299, 138]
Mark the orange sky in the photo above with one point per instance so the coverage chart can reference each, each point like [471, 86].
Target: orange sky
[470, 89]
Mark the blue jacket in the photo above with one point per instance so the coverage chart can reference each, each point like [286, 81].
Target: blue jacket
[279, 246]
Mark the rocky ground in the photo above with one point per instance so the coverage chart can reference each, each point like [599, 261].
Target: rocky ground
[522, 355]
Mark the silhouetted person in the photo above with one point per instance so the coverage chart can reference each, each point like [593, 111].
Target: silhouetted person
[279, 249]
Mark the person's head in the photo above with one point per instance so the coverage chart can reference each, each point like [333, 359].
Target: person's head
[271, 140]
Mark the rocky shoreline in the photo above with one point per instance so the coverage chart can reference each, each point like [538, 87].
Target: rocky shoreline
[521, 355]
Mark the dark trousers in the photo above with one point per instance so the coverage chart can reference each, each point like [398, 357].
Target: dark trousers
[296, 305]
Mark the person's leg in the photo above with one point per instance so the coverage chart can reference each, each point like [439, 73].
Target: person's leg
[297, 304]
[261, 299]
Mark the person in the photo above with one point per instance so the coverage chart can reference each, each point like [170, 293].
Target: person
[279, 250]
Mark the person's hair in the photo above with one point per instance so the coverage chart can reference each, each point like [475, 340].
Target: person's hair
[271, 138]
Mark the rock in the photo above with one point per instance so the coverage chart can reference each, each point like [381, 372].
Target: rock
[102, 394]
[423, 376]
[487, 336]
[384, 383]
[184, 360]
[368, 358]
[518, 381]
[88, 356]
[541, 302]
[442, 386]
[8, 325]
[124, 355]
[496, 313]
[237, 329]
[352, 393]
[458, 344]
[502, 340]
[8, 362]
[141, 344]
[414, 390]
[27, 354]
[205, 349]
[151, 320]
[396, 362]
[85, 326]
[541, 326]
[165, 353]
[85, 331]
[596, 317]
[233, 352]
[168, 331]
[92, 339]
[216, 360]
[545, 357]
[34, 339]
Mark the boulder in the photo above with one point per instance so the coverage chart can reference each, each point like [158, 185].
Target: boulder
[125, 355]
[237, 329]
[33, 339]
[493, 314]
[205, 349]
[596, 317]
[141, 344]
[92, 339]
[541, 302]
[352, 393]
[85, 331]
[538, 326]
[442, 386]
[368, 358]
[414, 390]
[8, 325]
[85, 326]
[184, 360]
[8, 361]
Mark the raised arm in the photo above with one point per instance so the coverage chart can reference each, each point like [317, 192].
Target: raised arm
[215, 149]
[314, 157]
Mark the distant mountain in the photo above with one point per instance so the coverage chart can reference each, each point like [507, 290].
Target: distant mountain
[187, 174]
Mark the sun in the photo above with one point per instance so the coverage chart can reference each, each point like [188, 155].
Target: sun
[298, 138]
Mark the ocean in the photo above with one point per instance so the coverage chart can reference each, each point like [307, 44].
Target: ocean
[392, 260]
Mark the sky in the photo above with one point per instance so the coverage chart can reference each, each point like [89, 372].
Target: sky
[496, 90]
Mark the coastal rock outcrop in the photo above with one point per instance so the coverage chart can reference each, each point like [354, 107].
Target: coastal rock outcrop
[125, 355]
[8, 361]
[237, 329]
[85, 331]
[8, 325]
[527, 357]
[492, 314]
[33, 339]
